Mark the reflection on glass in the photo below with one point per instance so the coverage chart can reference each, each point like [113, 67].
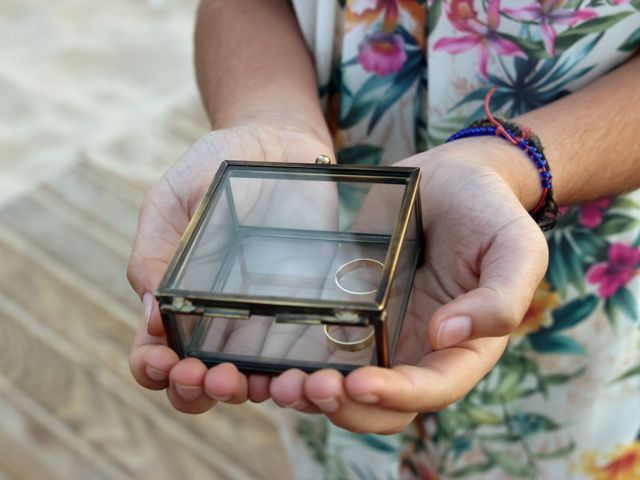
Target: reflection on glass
[286, 250]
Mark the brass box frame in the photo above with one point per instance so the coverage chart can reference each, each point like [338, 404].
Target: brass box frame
[294, 310]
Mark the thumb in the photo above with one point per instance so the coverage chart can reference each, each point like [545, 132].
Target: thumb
[510, 271]
[155, 243]
[144, 275]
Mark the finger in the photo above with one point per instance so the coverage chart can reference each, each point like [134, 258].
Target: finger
[440, 379]
[150, 365]
[259, 386]
[281, 337]
[225, 383]
[510, 272]
[248, 336]
[186, 387]
[287, 390]
[150, 359]
[325, 389]
[160, 224]
[310, 345]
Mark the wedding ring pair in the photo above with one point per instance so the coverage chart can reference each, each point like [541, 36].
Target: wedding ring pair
[341, 273]
[370, 263]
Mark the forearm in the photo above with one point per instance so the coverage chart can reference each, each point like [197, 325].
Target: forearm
[253, 66]
[592, 137]
[591, 140]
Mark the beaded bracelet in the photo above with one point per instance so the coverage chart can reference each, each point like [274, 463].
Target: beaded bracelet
[545, 213]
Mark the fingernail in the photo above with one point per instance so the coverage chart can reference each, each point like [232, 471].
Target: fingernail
[189, 393]
[328, 405]
[298, 405]
[156, 374]
[454, 330]
[147, 303]
[225, 398]
[367, 398]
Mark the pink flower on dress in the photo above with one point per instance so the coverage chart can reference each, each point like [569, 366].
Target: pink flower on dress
[382, 53]
[591, 212]
[548, 12]
[479, 34]
[617, 272]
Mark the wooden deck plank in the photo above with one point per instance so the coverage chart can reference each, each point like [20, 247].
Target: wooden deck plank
[99, 264]
[38, 445]
[130, 434]
[104, 343]
[88, 326]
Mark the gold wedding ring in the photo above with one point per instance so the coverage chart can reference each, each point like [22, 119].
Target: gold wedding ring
[354, 346]
[343, 270]
[367, 263]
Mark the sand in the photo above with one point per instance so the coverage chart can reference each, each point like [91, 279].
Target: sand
[107, 82]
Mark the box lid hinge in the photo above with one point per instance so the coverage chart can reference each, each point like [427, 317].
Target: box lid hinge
[185, 306]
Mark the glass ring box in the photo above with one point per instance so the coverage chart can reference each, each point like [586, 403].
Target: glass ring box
[304, 266]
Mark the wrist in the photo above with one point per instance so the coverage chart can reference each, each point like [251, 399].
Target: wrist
[300, 122]
[507, 161]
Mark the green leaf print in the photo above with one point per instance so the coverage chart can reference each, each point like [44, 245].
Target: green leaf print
[531, 48]
[362, 154]
[472, 469]
[573, 265]
[613, 223]
[313, 432]
[623, 203]
[459, 445]
[573, 4]
[591, 247]
[335, 468]
[439, 132]
[352, 112]
[533, 82]
[510, 464]
[632, 372]
[556, 271]
[507, 387]
[567, 38]
[402, 82]
[624, 302]
[434, 13]
[572, 313]
[555, 344]
[524, 423]
[631, 43]
[480, 416]
[611, 313]
[377, 442]
[562, 378]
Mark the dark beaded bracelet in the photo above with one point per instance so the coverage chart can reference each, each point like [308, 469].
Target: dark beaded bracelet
[546, 212]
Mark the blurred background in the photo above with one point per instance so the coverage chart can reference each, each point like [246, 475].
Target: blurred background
[97, 99]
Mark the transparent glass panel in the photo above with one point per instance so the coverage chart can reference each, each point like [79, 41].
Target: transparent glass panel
[213, 242]
[262, 340]
[304, 236]
[401, 288]
[285, 238]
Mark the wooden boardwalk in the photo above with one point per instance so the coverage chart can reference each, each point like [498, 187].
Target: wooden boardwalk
[68, 405]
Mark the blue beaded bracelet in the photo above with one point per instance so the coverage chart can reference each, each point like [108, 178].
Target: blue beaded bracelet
[534, 154]
[546, 212]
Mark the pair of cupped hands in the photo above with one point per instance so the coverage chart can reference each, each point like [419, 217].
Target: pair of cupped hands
[484, 258]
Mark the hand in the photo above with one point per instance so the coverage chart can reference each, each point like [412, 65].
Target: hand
[164, 215]
[484, 258]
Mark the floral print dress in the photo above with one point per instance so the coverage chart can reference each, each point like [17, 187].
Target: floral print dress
[398, 77]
